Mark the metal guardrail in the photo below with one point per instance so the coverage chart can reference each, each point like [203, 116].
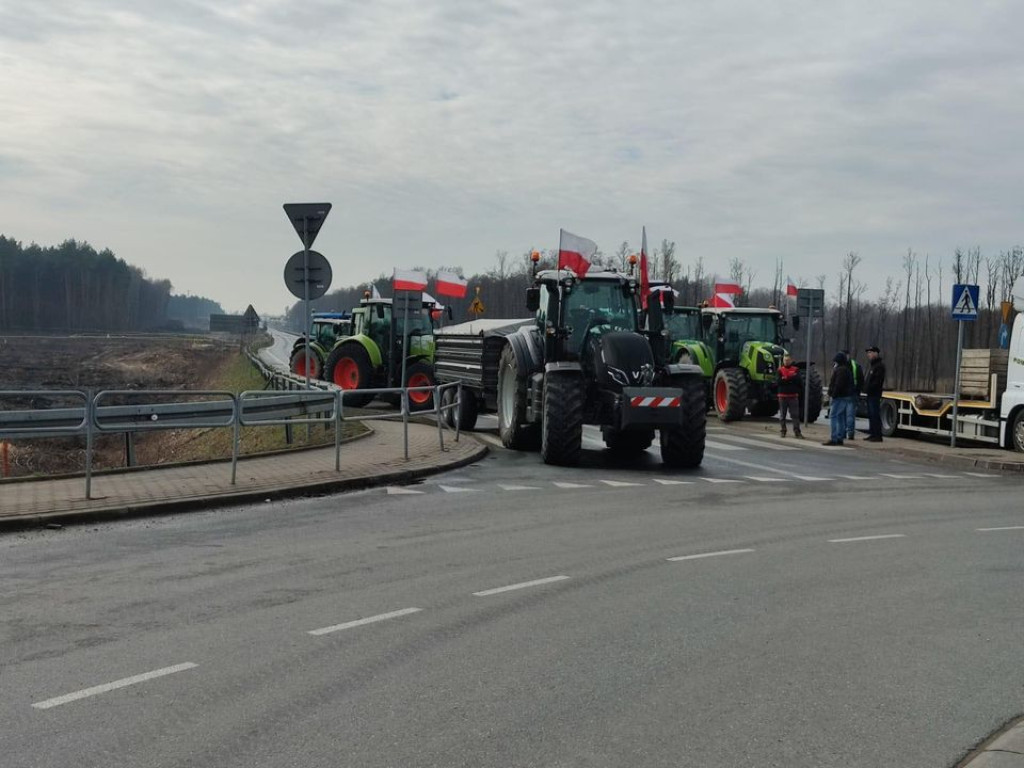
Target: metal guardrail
[253, 408]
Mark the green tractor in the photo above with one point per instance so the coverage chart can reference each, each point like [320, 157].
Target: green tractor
[746, 344]
[325, 329]
[686, 334]
[371, 356]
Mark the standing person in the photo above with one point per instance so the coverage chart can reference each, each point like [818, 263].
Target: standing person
[789, 388]
[840, 390]
[857, 372]
[874, 383]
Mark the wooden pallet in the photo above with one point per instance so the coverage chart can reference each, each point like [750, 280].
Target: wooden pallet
[976, 369]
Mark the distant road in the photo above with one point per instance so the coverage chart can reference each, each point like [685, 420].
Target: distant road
[280, 352]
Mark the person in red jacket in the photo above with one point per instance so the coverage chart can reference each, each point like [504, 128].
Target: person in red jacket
[789, 388]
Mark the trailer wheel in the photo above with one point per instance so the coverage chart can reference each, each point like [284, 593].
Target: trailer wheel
[516, 433]
[1017, 436]
[465, 413]
[889, 418]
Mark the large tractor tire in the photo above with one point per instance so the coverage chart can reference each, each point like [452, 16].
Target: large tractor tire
[561, 429]
[764, 408]
[626, 442]
[420, 374]
[513, 428]
[682, 447]
[298, 363]
[730, 394]
[348, 366]
[814, 402]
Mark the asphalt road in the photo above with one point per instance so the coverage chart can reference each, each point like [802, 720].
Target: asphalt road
[280, 352]
[830, 609]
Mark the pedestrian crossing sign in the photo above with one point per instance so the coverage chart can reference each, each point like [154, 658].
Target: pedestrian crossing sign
[965, 302]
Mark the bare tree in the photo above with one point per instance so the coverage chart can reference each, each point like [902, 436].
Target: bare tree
[850, 263]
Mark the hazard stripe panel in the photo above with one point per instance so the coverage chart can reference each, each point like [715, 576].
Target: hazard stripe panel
[654, 402]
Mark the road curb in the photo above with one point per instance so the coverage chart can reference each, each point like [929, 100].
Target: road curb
[1003, 749]
[175, 506]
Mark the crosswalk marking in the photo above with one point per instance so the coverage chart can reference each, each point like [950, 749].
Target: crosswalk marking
[394, 490]
[619, 483]
[771, 446]
[457, 489]
[766, 479]
[856, 477]
[723, 446]
[572, 485]
[518, 487]
[659, 481]
[719, 480]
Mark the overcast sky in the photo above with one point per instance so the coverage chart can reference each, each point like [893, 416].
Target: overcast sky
[443, 130]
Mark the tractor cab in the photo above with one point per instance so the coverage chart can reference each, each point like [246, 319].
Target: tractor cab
[736, 334]
[328, 327]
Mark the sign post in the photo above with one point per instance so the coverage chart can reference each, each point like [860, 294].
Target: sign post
[307, 218]
[965, 307]
[404, 301]
[810, 304]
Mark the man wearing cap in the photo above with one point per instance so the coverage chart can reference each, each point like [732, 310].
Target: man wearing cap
[874, 383]
[840, 391]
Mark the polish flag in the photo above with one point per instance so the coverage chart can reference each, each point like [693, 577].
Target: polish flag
[645, 280]
[728, 289]
[790, 286]
[575, 252]
[722, 300]
[409, 280]
[450, 284]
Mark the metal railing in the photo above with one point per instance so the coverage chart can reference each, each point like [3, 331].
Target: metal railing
[252, 408]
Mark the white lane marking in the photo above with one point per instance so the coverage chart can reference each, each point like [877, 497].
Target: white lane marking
[723, 446]
[619, 483]
[1003, 528]
[715, 429]
[902, 477]
[857, 477]
[363, 622]
[457, 489]
[572, 485]
[979, 474]
[810, 479]
[709, 554]
[122, 683]
[759, 443]
[751, 465]
[719, 480]
[394, 490]
[672, 482]
[868, 538]
[941, 477]
[766, 479]
[521, 585]
[507, 487]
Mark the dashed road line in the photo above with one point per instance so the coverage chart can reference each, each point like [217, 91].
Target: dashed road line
[363, 622]
[979, 474]
[122, 683]
[771, 446]
[620, 483]
[395, 490]
[902, 477]
[1003, 528]
[571, 485]
[810, 479]
[521, 585]
[857, 477]
[719, 480]
[457, 489]
[659, 481]
[723, 446]
[506, 487]
[868, 538]
[757, 479]
[702, 555]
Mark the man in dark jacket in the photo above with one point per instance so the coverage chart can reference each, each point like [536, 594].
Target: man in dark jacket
[789, 389]
[840, 391]
[874, 383]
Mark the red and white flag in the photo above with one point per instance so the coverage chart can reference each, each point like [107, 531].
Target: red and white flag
[575, 252]
[728, 289]
[790, 287]
[722, 300]
[645, 279]
[409, 280]
[450, 284]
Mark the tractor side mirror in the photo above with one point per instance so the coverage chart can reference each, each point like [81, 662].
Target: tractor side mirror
[532, 299]
[706, 322]
[380, 311]
[669, 299]
[655, 319]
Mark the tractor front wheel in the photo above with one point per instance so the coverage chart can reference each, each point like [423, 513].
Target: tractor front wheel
[730, 394]
[298, 362]
[682, 447]
[348, 367]
[561, 430]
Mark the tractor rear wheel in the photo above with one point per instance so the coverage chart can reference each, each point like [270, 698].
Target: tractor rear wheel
[420, 374]
[348, 367]
[561, 440]
[730, 394]
[682, 447]
[516, 433]
[298, 362]
[628, 442]
[814, 402]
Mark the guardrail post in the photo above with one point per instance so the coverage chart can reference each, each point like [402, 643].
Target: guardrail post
[439, 414]
[90, 410]
[129, 449]
[339, 422]
[405, 421]
[237, 417]
[458, 406]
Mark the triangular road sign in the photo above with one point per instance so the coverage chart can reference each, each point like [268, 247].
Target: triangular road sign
[308, 217]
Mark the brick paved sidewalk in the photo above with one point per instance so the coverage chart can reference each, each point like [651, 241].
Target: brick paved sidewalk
[372, 460]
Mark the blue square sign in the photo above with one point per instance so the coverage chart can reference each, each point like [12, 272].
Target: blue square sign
[965, 302]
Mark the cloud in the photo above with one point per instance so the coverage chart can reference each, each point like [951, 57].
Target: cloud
[442, 131]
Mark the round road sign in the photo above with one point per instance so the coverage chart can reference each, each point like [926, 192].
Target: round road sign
[319, 279]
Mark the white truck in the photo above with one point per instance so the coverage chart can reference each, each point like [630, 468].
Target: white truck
[990, 407]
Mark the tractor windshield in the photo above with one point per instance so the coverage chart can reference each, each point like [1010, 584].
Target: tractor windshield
[739, 328]
[596, 304]
[683, 325]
